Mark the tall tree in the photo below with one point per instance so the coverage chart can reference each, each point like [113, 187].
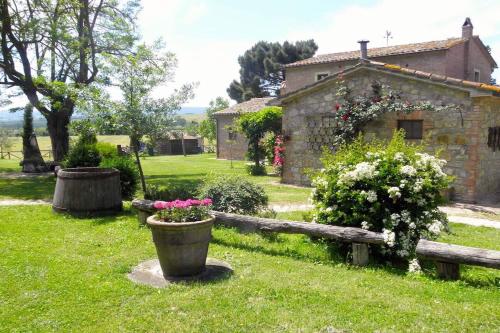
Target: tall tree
[137, 114]
[261, 71]
[207, 128]
[32, 157]
[52, 49]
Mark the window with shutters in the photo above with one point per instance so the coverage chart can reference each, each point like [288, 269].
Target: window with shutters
[413, 128]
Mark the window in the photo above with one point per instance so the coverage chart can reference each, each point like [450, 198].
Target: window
[231, 135]
[320, 76]
[413, 128]
[477, 75]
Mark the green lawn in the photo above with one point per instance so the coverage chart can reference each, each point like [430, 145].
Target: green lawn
[159, 170]
[63, 274]
[44, 141]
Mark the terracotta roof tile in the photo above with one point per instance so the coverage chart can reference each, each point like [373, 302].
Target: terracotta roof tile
[472, 84]
[381, 52]
[253, 105]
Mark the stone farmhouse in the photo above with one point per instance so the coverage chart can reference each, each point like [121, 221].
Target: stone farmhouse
[230, 144]
[452, 71]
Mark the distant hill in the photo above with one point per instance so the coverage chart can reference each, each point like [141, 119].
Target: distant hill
[15, 119]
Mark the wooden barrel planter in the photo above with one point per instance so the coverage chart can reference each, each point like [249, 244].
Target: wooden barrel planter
[88, 191]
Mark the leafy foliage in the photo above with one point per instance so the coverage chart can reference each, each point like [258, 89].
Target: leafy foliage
[85, 130]
[106, 150]
[394, 188]
[255, 125]
[82, 155]
[207, 128]
[171, 192]
[129, 174]
[232, 194]
[261, 72]
[352, 113]
[137, 114]
[5, 139]
[256, 170]
[54, 50]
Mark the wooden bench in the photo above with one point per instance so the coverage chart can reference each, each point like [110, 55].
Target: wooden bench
[447, 257]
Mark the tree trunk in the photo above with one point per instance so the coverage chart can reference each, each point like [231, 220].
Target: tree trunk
[256, 157]
[57, 125]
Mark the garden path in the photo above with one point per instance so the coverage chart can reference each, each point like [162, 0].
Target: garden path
[451, 211]
[455, 213]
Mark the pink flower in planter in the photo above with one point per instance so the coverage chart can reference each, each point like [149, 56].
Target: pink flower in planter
[206, 202]
[160, 204]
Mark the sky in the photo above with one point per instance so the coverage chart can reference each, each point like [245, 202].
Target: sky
[209, 35]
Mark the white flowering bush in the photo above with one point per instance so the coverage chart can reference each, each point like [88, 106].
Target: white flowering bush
[392, 188]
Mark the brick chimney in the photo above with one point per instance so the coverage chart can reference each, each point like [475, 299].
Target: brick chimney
[363, 44]
[467, 28]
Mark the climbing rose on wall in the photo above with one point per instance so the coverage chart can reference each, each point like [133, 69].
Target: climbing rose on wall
[352, 113]
[279, 154]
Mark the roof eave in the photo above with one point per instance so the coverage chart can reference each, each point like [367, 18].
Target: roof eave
[473, 91]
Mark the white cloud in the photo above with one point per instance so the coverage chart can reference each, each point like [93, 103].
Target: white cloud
[213, 62]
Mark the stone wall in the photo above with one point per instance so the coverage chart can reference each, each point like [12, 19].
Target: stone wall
[307, 122]
[488, 175]
[225, 149]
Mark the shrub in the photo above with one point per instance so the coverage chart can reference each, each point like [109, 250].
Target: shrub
[255, 125]
[129, 174]
[231, 194]
[170, 192]
[256, 170]
[82, 155]
[85, 131]
[107, 150]
[268, 142]
[391, 188]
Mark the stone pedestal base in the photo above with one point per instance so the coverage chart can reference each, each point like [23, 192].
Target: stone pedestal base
[149, 273]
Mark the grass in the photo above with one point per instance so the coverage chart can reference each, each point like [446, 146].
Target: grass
[44, 141]
[73, 278]
[192, 169]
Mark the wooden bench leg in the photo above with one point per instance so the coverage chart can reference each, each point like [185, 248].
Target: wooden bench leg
[359, 254]
[447, 270]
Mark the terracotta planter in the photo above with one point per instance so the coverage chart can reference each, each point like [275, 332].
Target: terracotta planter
[181, 247]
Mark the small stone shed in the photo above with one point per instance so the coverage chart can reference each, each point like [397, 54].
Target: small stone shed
[469, 137]
[230, 144]
[172, 145]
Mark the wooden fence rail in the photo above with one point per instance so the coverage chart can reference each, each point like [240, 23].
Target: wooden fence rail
[447, 257]
[18, 154]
